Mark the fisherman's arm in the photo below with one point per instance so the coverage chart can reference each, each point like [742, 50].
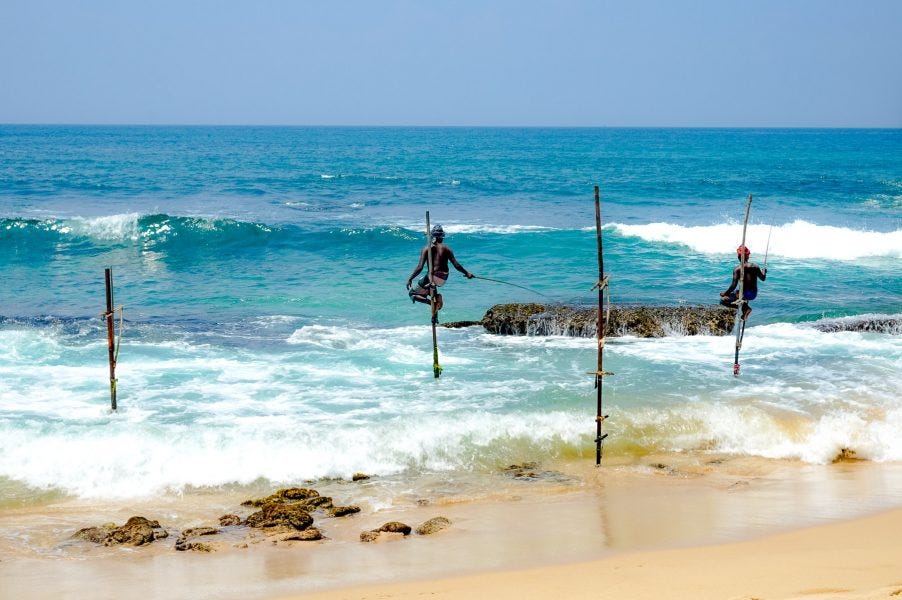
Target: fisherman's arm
[458, 266]
[732, 283]
[762, 274]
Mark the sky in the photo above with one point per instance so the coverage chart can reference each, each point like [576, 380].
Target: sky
[647, 63]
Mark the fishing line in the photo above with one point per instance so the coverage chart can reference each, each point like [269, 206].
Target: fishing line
[513, 284]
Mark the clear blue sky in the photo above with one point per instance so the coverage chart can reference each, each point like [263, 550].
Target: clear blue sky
[795, 63]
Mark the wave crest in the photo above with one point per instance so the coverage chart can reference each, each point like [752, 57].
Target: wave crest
[799, 239]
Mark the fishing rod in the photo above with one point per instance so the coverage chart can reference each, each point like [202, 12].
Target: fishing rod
[509, 283]
[767, 248]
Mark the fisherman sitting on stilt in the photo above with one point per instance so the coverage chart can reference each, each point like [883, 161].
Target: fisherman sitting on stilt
[441, 256]
[751, 274]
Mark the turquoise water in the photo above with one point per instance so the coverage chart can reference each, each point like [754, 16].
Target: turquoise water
[268, 332]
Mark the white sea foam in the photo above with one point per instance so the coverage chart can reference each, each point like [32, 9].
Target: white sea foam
[799, 239]
[478, 228]
[341, 400]
[112, 227]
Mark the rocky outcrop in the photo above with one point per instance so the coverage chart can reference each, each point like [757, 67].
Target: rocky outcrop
[581, 321]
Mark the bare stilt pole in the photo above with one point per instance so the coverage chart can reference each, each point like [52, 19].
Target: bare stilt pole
[110, 335]
[599, 335]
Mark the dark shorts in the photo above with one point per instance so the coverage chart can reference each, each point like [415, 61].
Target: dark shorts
[422, 286]
[747, 295]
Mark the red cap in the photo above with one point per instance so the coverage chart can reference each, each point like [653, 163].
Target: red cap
[743, 250]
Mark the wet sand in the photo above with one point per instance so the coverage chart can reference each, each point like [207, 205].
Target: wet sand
[673, 526]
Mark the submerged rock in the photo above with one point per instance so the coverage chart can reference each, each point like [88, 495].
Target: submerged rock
[531, 472]
[582, 321]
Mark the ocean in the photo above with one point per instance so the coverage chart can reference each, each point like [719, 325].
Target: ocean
[268, 336]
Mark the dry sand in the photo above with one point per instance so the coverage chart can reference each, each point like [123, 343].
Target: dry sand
[858, 559]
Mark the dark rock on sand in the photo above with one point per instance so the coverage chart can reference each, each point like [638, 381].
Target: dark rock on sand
[283, 495]
[581, 321]
[311, 534]
[433, 525]
[95, 534]
[359, 477]
[184, 541]
[137, 531]
[390, 527]
[278, 514]
[369, 536]
[395, 527]
[227, 520]
[342, 511]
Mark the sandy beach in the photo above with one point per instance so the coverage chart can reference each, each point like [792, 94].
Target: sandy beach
[672, 526]
[858, 559]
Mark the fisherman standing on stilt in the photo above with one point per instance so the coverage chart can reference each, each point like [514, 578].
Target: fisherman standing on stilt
[750, 273]
[441, 256]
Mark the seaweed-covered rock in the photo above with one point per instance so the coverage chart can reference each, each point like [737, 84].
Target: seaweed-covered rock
[278, 514]
[582, 321]
[433, 525]
[510, 319]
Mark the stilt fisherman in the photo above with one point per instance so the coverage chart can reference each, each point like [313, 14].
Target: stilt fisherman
[441, 256]
[751, 273]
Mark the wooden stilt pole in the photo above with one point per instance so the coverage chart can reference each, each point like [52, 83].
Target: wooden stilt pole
[110, 335]
[436, 367]
[739, 323]
[599, 335]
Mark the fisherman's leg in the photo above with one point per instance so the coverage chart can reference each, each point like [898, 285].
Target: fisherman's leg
[420, 292]
[746, 311]
[728, 300]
